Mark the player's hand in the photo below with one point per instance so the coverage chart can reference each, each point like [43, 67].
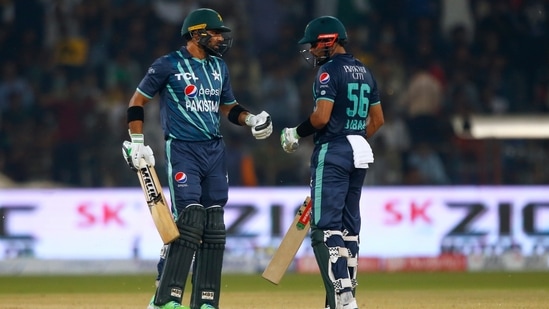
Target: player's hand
[289, 140]
[135, 150]
[261, 124]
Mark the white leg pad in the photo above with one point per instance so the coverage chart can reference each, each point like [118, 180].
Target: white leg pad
[352, 261]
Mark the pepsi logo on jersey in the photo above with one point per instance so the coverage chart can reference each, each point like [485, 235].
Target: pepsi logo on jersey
[192, 91]
[324, 78]
[180, 177]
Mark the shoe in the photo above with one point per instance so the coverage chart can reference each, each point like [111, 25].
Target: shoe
[347, 301]
[170, 305]
[351, 305]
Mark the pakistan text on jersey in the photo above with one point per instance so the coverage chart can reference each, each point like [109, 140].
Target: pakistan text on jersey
[202, 106]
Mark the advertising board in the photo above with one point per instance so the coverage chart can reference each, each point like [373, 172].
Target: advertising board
[397, 222]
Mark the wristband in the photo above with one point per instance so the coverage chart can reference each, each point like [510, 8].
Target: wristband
[305, 128]
[247, 120]
[234, 113]
[135, 113]
[137, 138]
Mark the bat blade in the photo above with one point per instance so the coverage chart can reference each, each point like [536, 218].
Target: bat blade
[290, 244]
[158, 207]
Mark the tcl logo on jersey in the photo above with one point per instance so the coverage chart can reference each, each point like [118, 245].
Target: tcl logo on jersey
[186, 76]
[192, 91]
[324, 78]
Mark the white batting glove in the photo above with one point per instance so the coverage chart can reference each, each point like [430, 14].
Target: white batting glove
[289, 140]
[261, 124]
[136, 150]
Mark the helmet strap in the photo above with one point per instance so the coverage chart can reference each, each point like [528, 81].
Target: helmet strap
[324, 58]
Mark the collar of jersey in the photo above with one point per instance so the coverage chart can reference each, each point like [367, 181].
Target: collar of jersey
[185, 52]
[187, 55]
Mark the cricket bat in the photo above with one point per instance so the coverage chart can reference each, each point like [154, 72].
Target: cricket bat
[291, 242]
[160, 212]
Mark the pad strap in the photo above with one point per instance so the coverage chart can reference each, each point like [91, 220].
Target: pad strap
[337, 252]
[352, 244]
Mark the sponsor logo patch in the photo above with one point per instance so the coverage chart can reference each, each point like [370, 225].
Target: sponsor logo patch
[180, 177]
[176, 292]
[191, 91]
[324, 78]
[208, 295]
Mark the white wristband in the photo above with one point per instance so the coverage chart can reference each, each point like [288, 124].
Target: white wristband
[249, 121]
[137, 138]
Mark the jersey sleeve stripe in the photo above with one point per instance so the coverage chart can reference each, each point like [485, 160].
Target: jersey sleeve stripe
[325, 98]
[144, 94]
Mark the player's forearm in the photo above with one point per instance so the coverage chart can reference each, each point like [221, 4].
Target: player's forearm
[135, 127]
[136, 113]
[375, 121]
[372, 128]
[317, 120]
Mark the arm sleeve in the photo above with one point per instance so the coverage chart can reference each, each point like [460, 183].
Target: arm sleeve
[155, 79]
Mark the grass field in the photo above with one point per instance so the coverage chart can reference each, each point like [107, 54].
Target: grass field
[377, 290]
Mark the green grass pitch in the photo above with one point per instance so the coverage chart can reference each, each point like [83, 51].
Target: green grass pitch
[375, 290]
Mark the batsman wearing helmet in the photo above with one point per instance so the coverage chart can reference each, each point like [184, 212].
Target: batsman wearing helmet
[346, 111]
[195, 90]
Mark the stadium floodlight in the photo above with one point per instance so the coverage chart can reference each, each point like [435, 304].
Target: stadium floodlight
[502, 126]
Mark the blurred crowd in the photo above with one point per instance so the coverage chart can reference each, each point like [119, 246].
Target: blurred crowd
[69, 68]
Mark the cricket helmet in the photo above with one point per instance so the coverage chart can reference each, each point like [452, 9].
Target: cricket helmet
[203, 19]
[322, 26]
[322, 33]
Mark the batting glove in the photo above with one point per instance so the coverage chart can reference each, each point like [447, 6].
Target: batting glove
[261, 124]
[289, 140]
[136, 150]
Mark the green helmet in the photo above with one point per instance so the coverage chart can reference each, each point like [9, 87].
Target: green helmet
[207, 19]
[323, 25]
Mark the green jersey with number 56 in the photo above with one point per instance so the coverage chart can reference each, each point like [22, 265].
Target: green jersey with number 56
[347, 83]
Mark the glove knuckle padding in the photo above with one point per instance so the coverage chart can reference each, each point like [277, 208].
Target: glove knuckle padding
[263, 126]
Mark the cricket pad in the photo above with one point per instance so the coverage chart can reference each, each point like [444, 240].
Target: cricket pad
[206, 278]
[180, 255]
